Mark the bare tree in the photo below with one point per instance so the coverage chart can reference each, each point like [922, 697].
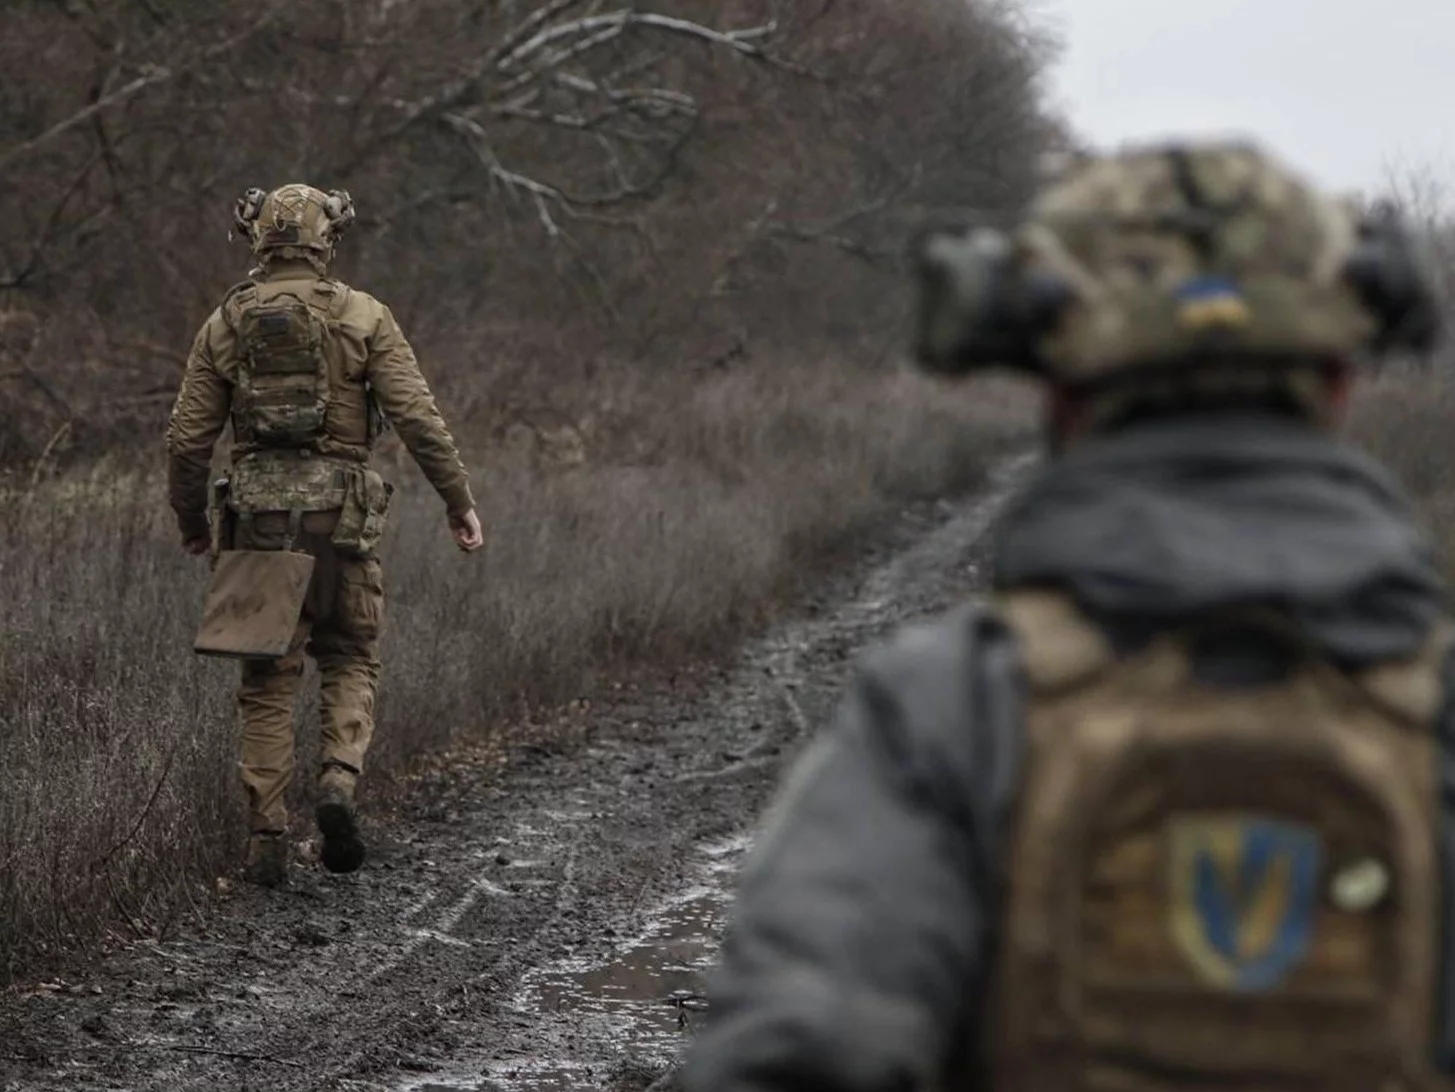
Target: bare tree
[542, 183]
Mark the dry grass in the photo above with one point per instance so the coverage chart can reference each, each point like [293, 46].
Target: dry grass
[1404, 420]
[696, 512]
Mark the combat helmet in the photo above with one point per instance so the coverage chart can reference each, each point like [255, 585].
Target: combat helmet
[1163, 262]
[294, 221]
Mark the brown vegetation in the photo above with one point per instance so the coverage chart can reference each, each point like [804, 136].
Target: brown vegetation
[647, 263]
[118, 789]
[1403, 418]
[1402, 415]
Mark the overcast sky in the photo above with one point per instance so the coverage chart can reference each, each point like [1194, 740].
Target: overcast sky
[1346, 89]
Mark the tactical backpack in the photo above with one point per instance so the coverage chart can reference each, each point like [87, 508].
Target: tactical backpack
[286, 460]
[1210, 888]
[283, 377]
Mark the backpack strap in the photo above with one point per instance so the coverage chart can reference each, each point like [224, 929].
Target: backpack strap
[331, 296]
[327, 295]
[1413, 690]
[1060, 648]
[239, 298]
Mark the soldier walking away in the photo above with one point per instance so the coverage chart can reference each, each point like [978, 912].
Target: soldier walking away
[309, 371]
[1166, 813]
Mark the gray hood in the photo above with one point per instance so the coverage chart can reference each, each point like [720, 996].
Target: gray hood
[1173, 518]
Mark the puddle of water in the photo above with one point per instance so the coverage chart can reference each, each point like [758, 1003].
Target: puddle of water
[638, 1000]
[526, 1076]
[652, 983]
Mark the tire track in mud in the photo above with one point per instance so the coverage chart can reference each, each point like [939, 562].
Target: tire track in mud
[532, 929]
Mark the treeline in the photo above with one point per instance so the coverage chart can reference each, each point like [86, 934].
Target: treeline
[548, 188]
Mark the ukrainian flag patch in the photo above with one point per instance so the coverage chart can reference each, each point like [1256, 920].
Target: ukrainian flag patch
[1207, 303]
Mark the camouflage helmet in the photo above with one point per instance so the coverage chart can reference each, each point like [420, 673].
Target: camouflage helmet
[294, 220]
[1162, 257]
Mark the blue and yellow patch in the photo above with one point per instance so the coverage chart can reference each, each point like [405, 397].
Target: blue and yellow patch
[1206, 303]
[1244, 894]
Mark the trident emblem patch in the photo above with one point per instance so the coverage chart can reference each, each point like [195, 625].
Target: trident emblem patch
[1244, 892]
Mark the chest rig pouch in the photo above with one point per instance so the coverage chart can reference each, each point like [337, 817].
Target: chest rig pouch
[288, 481]
[1217, 888]
[283, 377]
[300, 482]
[364, 513]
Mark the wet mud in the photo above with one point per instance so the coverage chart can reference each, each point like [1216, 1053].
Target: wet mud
[647, 994]
[536, 924]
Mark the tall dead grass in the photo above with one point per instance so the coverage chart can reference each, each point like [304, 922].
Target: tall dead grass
[677, 525]
[1404, 419]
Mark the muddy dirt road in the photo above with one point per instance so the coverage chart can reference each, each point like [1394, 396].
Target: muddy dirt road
[542, 927]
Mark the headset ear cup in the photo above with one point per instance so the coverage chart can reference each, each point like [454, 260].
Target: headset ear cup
[247, 210]
[939, 303]
[976, 307]
[1043, 302]
[339, 207]
[1394, 278]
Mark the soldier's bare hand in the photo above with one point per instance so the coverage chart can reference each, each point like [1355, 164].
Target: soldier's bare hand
[196, 546]
[466, 529]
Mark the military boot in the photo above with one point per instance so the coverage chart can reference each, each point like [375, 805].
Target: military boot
[343, 849]
[267, 859]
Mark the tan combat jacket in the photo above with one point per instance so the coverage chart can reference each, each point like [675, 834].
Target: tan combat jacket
[367, 346]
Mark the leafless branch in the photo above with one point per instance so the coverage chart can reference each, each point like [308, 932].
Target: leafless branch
[740, 40]
[538, 18]
[17, 277]
[877, 256]
[41, 384]
[592, 27]
[150, 76]
[539, 192]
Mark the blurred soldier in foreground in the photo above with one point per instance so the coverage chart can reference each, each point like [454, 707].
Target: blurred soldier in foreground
[1166, 813]
[309, 370]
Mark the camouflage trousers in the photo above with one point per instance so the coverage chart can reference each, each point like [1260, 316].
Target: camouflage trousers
[339, 629]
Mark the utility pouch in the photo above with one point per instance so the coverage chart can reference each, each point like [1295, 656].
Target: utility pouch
[281, 481]
[217, 517]
[253, 603]
[365, 512]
